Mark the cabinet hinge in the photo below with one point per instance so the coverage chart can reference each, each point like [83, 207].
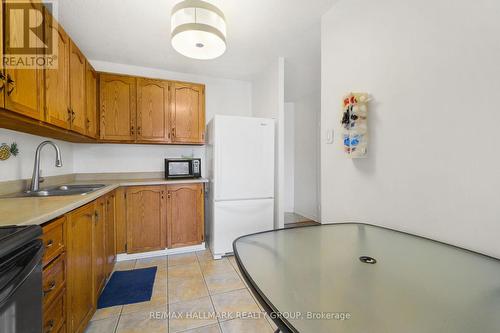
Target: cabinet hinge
[126, 248]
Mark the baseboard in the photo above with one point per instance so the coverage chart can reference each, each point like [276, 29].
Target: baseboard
[309, 216]
[159, 253]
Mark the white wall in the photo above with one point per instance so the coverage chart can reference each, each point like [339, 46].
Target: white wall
[21, 167]
[228, 97]
[307, 156]
[289, 157]
[268, 101]
[432, 68]
[104, 158]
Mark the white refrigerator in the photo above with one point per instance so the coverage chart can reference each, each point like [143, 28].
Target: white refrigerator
[240, 166]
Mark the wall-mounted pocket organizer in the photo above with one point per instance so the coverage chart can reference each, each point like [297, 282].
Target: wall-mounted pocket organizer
[355, 124]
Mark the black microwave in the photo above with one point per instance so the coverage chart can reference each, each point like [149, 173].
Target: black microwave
[182, 168]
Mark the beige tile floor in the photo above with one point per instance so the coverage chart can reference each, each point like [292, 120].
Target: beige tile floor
[211, 292]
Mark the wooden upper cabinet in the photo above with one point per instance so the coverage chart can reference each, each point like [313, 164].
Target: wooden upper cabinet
[57, 105]
[152, 110]
[2, 76]
[77, 86]
[117, 107]
[187, 114]
[185, 215]
[24, 87]
[91, 100]
[80, 295]
[146, 218]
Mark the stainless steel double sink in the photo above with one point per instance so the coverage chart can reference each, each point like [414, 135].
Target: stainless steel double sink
[60, 190]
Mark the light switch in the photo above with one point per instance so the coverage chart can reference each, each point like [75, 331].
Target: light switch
[329, 136]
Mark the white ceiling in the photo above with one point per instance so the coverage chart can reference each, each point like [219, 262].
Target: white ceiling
[137, 32]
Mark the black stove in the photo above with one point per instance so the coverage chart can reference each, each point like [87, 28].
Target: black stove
[14, 237]
[21, 251]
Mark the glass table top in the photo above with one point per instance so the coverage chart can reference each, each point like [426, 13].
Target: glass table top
[327, 273]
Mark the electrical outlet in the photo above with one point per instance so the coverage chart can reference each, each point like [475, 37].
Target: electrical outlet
[329, 136]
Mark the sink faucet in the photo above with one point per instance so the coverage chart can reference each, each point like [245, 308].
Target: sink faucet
[35, 180]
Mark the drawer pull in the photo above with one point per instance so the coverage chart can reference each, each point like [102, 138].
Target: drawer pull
[50, 326]
[51, 287]
[50, 242]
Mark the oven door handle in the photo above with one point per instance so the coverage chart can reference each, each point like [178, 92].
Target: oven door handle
[11, 279]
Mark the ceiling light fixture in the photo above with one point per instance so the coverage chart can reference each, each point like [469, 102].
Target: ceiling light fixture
[198, 29]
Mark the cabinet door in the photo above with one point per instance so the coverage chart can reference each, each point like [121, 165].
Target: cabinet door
[146, 220]
[185, 213]
[91, 100]
[2, 75]
[24, 87]
[117, 107]
[57, 108]
[98, 251]
[77, 89]
[110, 234]
[187, 115]
[152, 110]
[79, 267]
[121, 220]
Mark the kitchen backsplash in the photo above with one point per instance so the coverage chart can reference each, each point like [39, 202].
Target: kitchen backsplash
[89, 158]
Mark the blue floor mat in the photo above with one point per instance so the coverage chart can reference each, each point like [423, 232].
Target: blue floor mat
[128, 287]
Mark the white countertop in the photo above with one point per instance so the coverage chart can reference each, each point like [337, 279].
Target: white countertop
[25, 211]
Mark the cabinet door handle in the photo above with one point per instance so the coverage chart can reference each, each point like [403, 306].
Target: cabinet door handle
[70, 119]
[49, 244]
[173, 132]
[2, 77]
[10, 81]
[132, 129]
[51, 287]
[50, 326]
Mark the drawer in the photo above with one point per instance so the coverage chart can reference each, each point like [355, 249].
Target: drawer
[53, 239]
[54, 279]
[54, 315]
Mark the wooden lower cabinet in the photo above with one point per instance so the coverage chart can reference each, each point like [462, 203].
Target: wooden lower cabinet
[55, 315]
[80, 294]
[185, 215]
[99, 247]
[110, 241]
[160, 217]
[121, 220]
[81, 247]
[146, 219]
[54, 276]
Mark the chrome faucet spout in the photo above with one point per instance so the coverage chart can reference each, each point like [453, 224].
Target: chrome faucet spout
[35, 180]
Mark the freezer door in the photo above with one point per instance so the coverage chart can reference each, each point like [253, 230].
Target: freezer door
[244, 158]
[233, 219]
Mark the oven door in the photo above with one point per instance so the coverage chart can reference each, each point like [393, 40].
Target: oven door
[180, 169]
[21, 290]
